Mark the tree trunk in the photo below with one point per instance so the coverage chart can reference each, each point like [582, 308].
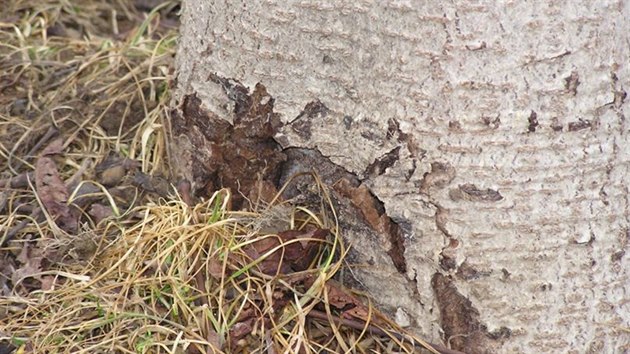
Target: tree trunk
[484, 148]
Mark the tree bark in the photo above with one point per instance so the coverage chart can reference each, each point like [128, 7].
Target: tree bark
[485, 148]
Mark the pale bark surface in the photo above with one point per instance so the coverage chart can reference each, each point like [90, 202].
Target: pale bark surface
[511, 177]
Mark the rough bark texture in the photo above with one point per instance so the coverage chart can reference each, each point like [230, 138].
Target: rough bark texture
[495, 135]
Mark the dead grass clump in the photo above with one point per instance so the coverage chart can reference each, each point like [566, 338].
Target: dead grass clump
[70, 69]
[181, 279]
[200, 280]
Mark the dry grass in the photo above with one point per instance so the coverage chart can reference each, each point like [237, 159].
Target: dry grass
[141, 292]
[151, 274]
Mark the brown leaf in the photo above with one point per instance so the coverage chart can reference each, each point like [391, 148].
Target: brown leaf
[352, 306]
[240, 330]
[362, 199]
[246, 314]
[338, 297]
[112, 175]
[153, 184]
[51, 189]
[48, 281]
[30, 258]
[297, 250]
[309, 243]
[208, 332]
[213, 338]
[271, 263]
[373, 212]
[183, 188]
[113, 169]
[99, 212]
[7, 267]
[215, 268]
[304, 278]
[262, 192]
[55, 147]
[31, 269]
[86, 194]
[233, 156]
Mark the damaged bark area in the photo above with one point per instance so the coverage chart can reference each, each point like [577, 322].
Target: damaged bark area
[244, 157]
[223, 155]
[463, 330]
[353, 199]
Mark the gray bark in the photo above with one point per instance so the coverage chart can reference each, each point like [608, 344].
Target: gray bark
[495, 134]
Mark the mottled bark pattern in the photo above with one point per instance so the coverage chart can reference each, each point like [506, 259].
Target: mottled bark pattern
[494, 133]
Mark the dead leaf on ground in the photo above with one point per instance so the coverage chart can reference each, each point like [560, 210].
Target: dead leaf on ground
[51, 189]
[215, 268]
[86, 194]
[184, 190]
[297, 250]
[153, 184]
[31, 260]
[351, 307]
[54, 148]
[100, 212]
[113, 169]
[303, 253]
[7, 266]
[239, 331]
[362, 199]
[48, 282]
[262, 193]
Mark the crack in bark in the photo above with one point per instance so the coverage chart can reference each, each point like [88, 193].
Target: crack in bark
[440, 176]
[381, 164]
[302, 124]
[459, 319]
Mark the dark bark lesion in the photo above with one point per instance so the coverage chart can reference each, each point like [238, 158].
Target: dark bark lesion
[356, 203]
[243, 155]
[460, 320]
[240, 156]
[235, 156]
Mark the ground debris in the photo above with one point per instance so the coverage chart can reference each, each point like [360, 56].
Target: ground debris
[51, 189]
